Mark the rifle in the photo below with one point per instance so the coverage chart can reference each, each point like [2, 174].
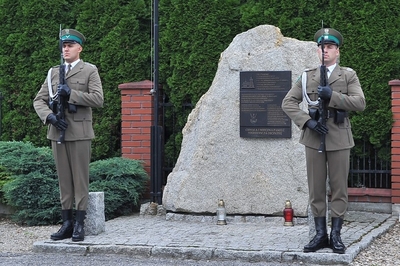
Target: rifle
[61, 100]
[321, 102]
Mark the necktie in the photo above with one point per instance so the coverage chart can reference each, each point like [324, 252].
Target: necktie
[68, 69]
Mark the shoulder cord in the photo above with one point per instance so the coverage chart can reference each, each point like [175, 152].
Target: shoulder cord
[304, 88]
[51, 94]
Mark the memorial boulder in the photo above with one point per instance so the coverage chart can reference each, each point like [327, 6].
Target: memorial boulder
[254, 176]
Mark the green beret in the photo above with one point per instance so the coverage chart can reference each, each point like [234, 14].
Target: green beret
[329, 36]
[74, 36]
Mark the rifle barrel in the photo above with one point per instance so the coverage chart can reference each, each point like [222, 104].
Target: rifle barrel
[322, 104]
[61, 105]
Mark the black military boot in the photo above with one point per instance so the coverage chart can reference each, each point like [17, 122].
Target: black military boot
[66, 228]
[336, 241]
[320, 240]
[79, 232]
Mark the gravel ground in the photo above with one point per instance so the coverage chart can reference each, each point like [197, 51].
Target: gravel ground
[384, 250]
[15, 239]
[20, 239]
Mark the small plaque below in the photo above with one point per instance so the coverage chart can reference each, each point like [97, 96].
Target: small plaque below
[265, 132]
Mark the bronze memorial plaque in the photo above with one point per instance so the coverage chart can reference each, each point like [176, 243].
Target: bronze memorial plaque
[261, 95]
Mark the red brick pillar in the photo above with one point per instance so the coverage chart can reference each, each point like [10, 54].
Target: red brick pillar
[395, 87]
[136, 121]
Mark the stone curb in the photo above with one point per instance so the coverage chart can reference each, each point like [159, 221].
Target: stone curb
[220, 253]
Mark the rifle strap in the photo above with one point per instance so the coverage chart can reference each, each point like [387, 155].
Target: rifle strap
[304, 90]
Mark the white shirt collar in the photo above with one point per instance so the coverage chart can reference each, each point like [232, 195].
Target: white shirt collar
[330, 69]
[72, 64]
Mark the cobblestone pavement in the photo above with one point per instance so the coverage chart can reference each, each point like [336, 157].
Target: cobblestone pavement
[260, 240]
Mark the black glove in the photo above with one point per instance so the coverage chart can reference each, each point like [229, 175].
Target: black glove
[324, 92]
[316, 126]
[64, 91]
[60, 124]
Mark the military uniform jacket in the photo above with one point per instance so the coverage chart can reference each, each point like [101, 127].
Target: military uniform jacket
[346, 95]
[86, 92]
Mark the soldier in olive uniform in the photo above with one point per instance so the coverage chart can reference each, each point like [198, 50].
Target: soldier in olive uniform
[342, 94]
[83, 90]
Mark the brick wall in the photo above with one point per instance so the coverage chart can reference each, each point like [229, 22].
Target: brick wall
[395, 87]
[136, 121]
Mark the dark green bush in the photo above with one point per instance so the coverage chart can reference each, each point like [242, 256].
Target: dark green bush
[4, 178]
[28, 183]
[23, 157]
[35, 197]
[122, 180]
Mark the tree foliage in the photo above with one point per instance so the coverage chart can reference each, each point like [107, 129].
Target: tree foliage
[193, 33]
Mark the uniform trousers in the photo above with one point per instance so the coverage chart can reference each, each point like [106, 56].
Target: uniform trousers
[332, 164]
[72, 162]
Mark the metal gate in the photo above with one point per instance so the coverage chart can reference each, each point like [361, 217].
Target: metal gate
[172, 129]
[370, 170]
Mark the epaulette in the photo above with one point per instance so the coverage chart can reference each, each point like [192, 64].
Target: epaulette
[310, 69]
[347, 68]
[305, 70]
[89, 64]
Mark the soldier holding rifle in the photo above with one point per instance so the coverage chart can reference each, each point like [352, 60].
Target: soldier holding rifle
[341, 94]
[70, 129]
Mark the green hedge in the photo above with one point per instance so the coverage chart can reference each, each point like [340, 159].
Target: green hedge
[193, 33]
[35, 198]
[122, 180]
[21, 158]
[28, 182]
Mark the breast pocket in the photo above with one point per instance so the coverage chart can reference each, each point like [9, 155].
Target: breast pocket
[78, 84]
[312, 93]
[340, 86]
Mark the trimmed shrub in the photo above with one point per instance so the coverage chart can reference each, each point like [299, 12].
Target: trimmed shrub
[4, 178]
[23, 157]
[35, 197]
[29, 183]
[123, 182]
